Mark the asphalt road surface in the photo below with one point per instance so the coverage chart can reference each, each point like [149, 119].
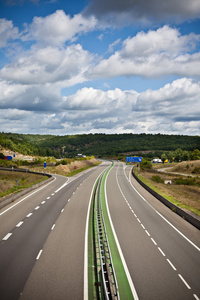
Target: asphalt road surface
[43, 234]
[161, 250]
[42, 240]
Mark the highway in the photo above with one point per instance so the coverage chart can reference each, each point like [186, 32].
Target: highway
[161, 250]
[42, 239]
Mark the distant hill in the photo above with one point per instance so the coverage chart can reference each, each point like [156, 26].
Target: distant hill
[96, 144]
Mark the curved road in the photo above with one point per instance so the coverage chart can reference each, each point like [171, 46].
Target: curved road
[43, 235]
[42, 240]
[161, 250]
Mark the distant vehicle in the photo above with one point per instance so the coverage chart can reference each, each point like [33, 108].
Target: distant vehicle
[156, 161]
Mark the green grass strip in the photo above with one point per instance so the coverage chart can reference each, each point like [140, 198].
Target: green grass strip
[122, 281]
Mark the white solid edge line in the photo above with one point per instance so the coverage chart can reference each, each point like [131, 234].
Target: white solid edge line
[27, 197]
[132, 287]
[85, 288]
[187, 239]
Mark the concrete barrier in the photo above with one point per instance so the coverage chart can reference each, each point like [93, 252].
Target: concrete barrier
[188, 216]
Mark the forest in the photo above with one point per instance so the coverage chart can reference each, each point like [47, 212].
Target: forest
[100, 145]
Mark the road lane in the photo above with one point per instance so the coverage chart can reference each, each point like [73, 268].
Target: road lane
[29, 231]
[13, 213]
[152, 248]
[59, 273]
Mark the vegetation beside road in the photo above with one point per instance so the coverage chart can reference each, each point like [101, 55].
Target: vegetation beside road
[13, 182]
[184, 191]
[103, 145]
[66, 167]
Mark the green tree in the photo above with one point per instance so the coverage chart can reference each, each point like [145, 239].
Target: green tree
[163, 157]
[178, 155]
[195, 155]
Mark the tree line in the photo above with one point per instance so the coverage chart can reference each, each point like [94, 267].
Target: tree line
[100, 145]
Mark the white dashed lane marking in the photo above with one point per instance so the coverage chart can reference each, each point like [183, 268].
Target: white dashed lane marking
[29, 215]
[39, 254]
[7, 237]
[19, 224]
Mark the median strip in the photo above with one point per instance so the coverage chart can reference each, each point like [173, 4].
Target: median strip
[96, 287]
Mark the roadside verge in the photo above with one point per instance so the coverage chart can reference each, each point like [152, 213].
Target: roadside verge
[194, 220]
[11, 198]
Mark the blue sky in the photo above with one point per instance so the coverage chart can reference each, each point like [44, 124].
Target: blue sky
[100, 66]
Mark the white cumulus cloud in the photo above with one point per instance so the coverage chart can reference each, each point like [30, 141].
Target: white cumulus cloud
[153, 54]
[57, 28]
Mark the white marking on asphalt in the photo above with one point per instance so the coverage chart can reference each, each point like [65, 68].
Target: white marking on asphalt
[52, 228]
[135, 296]
[161, 251]
[85, 294]
[154, 241]
[147, 233]
[195, 296]
[62, 186]
[171, 264]
[7, 237]
[39, 254]
[26, 197]
[37, 207]
[19, 224]
[62, 210]
[29, 215]
[185, 282]
[43, 202]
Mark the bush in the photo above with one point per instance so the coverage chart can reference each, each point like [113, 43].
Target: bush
[145, 164]
[157, 179]
[188, 181]
[196, 170]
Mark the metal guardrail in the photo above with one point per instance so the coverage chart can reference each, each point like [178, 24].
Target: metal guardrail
[104, 264]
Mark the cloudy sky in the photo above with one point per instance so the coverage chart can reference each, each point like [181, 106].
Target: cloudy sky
[100, 66]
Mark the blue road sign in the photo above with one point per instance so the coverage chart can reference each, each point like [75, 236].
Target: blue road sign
[45, 164]
[133, 159]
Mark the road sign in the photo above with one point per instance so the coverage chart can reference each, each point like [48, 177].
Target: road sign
[133, 159]
[45, 165]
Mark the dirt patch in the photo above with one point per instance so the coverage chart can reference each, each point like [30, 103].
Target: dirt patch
[187, 195]
[185, 167]
[76, 165]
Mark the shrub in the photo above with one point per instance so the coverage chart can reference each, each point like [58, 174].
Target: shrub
[157, 178]
[196, 170]
[187, 181]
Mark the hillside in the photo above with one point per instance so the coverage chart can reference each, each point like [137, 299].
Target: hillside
[96, 144]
